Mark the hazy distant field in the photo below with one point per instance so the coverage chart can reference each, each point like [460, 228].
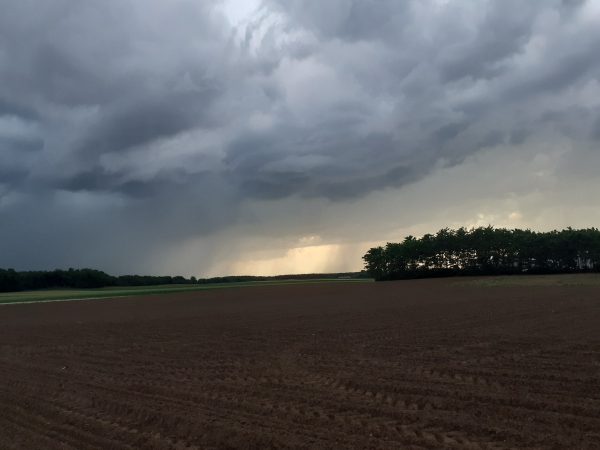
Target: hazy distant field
[112, 292]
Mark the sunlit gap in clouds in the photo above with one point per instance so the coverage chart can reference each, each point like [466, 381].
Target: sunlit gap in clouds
[239, 12]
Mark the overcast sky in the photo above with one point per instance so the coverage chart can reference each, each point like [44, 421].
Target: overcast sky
[279, 136]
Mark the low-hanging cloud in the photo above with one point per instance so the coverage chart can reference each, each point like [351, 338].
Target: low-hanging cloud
[129, 127]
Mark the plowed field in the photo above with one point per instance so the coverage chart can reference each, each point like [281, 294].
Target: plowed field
[412, 364]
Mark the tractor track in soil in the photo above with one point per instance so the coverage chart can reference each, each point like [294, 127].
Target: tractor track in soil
[414, 364]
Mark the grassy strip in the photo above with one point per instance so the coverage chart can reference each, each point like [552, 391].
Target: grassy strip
[114, 292]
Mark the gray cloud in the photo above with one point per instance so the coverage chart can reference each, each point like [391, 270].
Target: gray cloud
[131, 127]
[146, 120]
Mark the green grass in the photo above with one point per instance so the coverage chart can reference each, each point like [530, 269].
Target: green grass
[534, 280]
[53, 295]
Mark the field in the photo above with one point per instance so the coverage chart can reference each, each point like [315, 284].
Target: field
[533, 280]
[440, 363]
[55, 295]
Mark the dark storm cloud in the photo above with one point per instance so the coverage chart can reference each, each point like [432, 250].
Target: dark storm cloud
[8, 108]
[316, 165]
[14, 177]
[165, 118]
[450, 131]
[352, 19]
[146, 120]
[21, 144]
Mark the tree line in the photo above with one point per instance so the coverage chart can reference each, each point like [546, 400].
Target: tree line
[302, 276]
[486, 251]
[12, 281]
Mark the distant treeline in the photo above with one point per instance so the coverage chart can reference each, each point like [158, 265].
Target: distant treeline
[304, 276]
[11, 280]
[486, 251]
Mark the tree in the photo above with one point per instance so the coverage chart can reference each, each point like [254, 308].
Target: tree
[486, 251]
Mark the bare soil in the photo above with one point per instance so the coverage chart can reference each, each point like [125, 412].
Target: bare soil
[409, 364]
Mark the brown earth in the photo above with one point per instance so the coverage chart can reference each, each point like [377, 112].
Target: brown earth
[413, 364]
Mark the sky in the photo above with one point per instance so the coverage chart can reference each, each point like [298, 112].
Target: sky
[208, 138]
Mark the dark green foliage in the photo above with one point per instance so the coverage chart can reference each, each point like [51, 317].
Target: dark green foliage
[147, 280]
[11, 281]
[486, 251]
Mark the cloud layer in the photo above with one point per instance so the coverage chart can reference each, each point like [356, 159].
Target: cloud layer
[133, 131]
